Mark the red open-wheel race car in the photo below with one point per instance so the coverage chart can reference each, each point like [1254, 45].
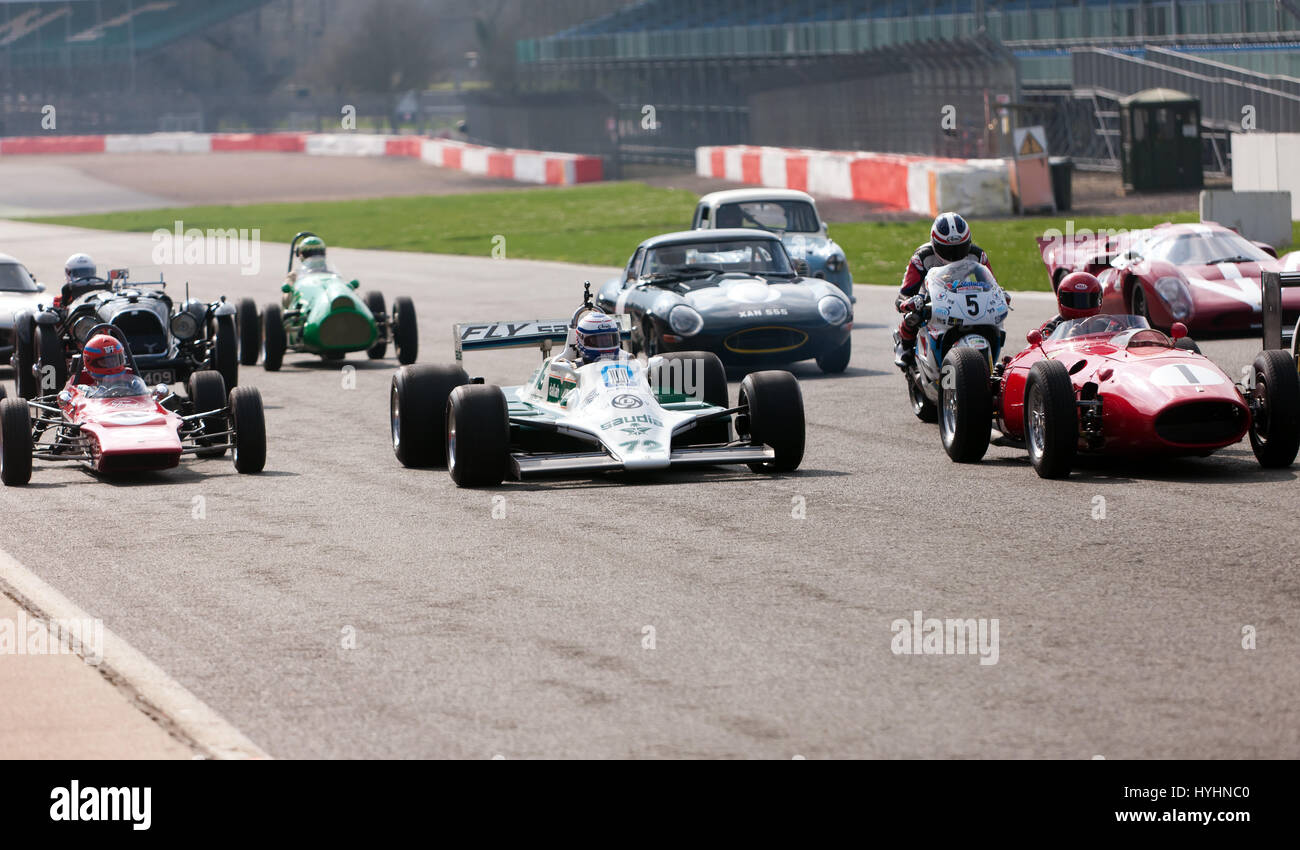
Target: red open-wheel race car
[1110, 384]
[110, 421]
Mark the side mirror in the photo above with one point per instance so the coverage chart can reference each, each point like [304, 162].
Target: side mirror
[40, 287]
[161, 390]
[1034, 337]
[286, 287]
[65, 397]
[826, 229]
[1178, 331]
[355, 284]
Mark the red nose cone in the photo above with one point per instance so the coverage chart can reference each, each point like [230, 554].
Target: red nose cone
[1178, 331]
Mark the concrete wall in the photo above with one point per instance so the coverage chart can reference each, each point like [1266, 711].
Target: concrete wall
[1267, 162]
[1259, 216]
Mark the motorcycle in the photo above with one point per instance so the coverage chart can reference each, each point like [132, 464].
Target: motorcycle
[962, 306]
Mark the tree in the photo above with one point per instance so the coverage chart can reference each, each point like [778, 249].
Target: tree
[391, 52]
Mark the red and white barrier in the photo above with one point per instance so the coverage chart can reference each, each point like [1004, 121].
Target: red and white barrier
[554, 169]
[924, 185]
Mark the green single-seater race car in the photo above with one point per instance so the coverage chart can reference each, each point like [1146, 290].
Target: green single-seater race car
[322, 314]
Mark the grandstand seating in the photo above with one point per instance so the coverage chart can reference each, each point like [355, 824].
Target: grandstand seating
[81, 31]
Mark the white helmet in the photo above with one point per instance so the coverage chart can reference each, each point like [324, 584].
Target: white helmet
[79, 266]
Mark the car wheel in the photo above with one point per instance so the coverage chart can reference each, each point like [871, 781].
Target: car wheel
[417, 408]
[922, 407]
[15, 442]
[837, 360]
[1275, 410]
[225, 353]
[250, 337]
[375, 304]
[406, 331]
[207, 390]
[773, 417]
[1138, 302]
[648, 344]
[707, 380]
[248, 421]
[51, 366]
[966, 405]
[1295, 343]
[274, 342]
[24, 356]
[478, 435]
[1051, 419]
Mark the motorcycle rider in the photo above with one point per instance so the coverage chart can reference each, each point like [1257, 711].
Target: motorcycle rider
[950, 241]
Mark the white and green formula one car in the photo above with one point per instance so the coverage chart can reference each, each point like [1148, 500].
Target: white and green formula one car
[573, 417]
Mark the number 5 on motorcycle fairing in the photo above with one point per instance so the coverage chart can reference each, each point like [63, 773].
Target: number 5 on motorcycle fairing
[963, 308]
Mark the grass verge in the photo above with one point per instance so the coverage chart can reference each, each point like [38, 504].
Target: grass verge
[596, 225]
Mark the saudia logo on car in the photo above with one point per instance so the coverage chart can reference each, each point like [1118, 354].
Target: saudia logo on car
[643, 419]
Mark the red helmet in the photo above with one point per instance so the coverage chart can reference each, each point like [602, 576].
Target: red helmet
[1079, 296]
[103, 355]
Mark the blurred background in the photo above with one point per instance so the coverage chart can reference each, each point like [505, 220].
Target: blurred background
[645, 83]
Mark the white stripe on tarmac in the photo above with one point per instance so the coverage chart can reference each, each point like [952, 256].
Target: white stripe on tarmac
[161, 696]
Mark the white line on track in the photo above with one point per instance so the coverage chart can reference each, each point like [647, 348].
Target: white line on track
[145, 683]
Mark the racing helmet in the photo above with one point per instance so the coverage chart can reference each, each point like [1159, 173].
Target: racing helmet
[103, 355]
[950, 237]
[312, 246]
[597, 337]
[1078, 296]
[79, 267]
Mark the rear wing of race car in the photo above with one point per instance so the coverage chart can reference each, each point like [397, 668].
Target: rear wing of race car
[481, 336]
[1278, 331]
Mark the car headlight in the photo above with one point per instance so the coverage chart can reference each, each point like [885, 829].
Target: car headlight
[685, 321]
[834, 263]
[1176, 295]
[185, 326]
[833, 309]
[82, 327]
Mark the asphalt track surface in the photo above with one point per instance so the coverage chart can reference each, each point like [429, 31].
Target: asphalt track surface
[520, 632]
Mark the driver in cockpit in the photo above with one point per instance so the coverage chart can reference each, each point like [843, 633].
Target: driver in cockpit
[1077, 297]
[103, 361]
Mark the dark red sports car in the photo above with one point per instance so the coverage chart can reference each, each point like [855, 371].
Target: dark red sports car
[1203, 275]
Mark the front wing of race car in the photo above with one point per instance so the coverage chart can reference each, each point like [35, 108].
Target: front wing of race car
[621, 452]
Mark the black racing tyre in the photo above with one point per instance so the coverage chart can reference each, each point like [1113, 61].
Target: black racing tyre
[15, 442]
[1051, 419]
[4, 394]
[52, 367]
[965, 405]
[643, 339]
[1295, 343]
[701, 376]
[274, 341]
[406, 330]
[1187, 344]
[774, 417]
[417, 410]
[24, 358]
[478, 435]
[1275, 420]
[1138, 302]
[922, 407]
[375, 304]
[207, 391]
[836, 360]
[250, 334]
[225, 351]
[248, 421]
